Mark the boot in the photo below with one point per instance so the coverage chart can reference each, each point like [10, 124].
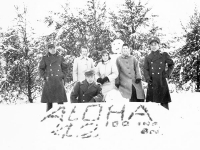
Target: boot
[49, 106]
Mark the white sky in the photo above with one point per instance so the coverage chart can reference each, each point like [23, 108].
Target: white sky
[170, 12]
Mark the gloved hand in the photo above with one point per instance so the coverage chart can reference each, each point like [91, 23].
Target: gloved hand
[105, 79]
[149, 81]
[97, 99]
[138, 80]
[117, 85]
[92, 100]
[166, 75]
[46, 78]
[100, 80]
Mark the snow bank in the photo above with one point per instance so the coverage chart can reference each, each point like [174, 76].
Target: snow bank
[21, 126]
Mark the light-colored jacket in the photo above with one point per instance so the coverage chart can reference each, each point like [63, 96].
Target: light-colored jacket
[80, 66]
[129, 71]
[107, 69]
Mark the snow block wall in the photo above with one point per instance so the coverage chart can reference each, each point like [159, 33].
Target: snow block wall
[104, 120]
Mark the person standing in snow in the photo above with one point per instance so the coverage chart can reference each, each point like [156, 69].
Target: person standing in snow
[129, 78]
[81, 64]
[106, 73]
[155, 74]
[53, 70]
[86, 91]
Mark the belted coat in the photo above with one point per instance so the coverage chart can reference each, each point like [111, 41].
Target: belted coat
[155, 69]
[129, 71]
[83, 92]
[53, 69]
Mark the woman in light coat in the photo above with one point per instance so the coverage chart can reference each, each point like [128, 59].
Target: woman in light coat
[106, 73]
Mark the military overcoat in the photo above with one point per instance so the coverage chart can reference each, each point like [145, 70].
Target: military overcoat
[53, 69]
[83, 92]
[157, 67]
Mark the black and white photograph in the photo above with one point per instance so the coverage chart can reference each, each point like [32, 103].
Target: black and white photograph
[99, 74]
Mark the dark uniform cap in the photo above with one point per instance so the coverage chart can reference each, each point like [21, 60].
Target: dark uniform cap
[89, 72]
[154, 39]
[104, 51]
[50, 46]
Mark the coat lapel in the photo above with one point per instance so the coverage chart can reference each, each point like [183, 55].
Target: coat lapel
[48, 59]
[84, 86]
[54, 59]
[155, 57]
[90, 86]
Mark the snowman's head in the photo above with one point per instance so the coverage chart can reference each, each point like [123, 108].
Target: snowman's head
[117, 46]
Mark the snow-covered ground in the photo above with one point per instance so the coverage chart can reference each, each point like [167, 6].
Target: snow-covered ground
[21, 129]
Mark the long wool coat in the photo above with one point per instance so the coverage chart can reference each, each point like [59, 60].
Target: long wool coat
[107, 69]
[84, 93]
[155, 69]
[53, 69]
[129, 71]
[80, 66]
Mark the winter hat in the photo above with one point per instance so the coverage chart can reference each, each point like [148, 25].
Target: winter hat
[50, 46]
[89, 72]
[154, 39]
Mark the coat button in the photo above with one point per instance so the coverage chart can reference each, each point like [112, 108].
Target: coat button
[50, 69]
[152, 73]
[50, 64]
[51, 74]
[159, 68]
[158, 73]
[152, 67]
[151, 62]
[161, 62]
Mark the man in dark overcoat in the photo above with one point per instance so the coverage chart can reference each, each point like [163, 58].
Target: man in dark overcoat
[53, 70]
[88, 90]
[156, 73]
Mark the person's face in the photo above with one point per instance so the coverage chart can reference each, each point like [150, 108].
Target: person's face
[52, 50]
[125, 50]
[84, 52]
[90, 79]
[154, 46]
[105, 57]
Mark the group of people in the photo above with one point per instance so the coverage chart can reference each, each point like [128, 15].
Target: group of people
[94, 83]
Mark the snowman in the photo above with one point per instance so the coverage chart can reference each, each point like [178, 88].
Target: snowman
[116, 49]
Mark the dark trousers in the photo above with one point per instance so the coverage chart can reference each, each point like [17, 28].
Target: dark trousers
[134, 96]
[165, 105]
[50, 105]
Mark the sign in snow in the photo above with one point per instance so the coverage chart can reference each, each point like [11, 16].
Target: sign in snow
[90, 120]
